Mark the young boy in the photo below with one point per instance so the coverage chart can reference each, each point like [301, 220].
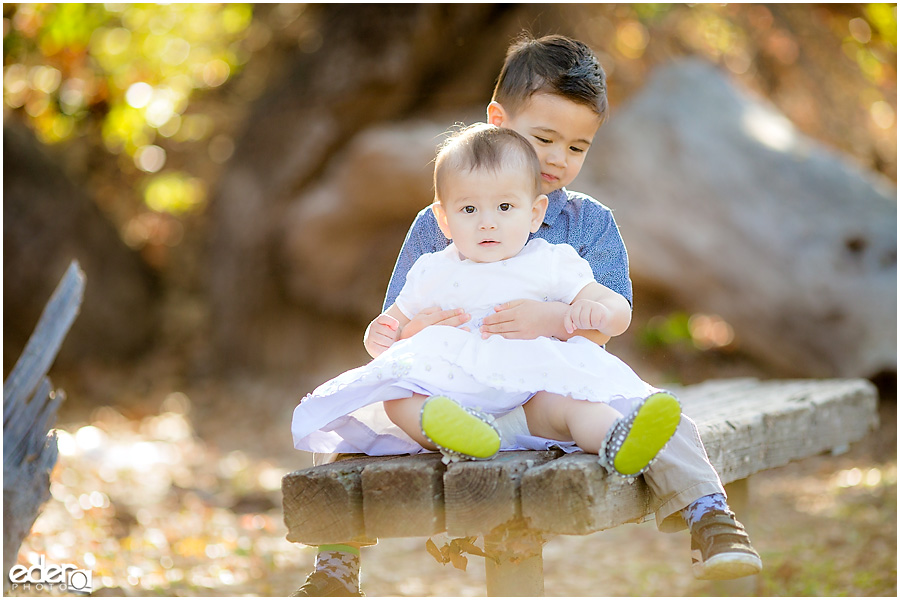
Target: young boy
[552, 91]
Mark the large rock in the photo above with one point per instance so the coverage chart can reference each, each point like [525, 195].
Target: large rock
[358, 214]
[727, 207]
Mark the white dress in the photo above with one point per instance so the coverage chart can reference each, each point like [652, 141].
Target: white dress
[495, 375]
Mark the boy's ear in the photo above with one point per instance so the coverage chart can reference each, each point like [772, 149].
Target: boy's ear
[538, 210]
[441, 215]
[496, 114]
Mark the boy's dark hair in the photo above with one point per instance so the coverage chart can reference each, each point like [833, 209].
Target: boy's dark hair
[553, 64]
[483, 146]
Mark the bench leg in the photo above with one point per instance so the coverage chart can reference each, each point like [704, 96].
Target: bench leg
[519, 568]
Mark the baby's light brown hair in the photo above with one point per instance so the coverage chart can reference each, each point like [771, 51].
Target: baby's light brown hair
[486, 147]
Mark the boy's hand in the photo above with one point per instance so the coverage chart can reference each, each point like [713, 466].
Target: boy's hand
[586, 314]
[526, 320]
[381, 333]
[433, 315]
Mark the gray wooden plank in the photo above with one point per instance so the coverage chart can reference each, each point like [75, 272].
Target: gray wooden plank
[26, 434]
[44, 343]
[747, 426]
[404, 497]
[777, 422]
[575, 495]
[324, 504]
[481, 495]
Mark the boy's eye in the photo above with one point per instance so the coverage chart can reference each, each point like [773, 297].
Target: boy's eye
[542, 140]
[576, 149]
[468, 209]
[505, 206]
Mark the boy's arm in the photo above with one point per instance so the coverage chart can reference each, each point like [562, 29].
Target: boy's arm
[602, 246]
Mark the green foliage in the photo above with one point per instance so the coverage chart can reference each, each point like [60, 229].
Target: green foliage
[884, 18]
[133, 67]
[666, 331]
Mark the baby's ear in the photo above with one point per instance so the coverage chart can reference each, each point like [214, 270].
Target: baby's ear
[538, 210]
[441, 216]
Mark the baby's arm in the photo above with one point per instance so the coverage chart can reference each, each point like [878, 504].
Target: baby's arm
[527, 320]
[384, 330]
[598, 308]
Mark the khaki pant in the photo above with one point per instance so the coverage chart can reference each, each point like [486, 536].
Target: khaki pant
[681, 474]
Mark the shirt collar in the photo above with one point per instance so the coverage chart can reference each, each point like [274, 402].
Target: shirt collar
[556, 201]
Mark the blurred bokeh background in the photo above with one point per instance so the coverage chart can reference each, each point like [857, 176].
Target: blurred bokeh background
[236, 181]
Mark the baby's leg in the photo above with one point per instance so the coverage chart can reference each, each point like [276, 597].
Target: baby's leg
[627, 444]
[565, 419]
[405, 414]
[440, 423]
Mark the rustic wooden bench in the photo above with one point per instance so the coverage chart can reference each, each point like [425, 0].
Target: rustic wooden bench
[518, 497]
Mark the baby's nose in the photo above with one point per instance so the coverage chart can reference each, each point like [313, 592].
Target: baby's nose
[487, 222]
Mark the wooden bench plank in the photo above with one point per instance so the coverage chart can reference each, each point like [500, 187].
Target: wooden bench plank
[481, 495]
[404, 497]
[747, 426]
[575, 495]
[324, 504]
[752, 428]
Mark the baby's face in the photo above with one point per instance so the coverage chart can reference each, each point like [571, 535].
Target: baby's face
[489, 215]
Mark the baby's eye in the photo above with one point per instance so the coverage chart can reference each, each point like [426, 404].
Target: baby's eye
[468, 209]
[505, 206]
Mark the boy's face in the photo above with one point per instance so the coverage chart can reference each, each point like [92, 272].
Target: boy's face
[489, 215]
[560, 130]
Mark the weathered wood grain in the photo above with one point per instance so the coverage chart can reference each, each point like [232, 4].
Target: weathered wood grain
[575, 495]
[404, 497]
[44, 343]
[481, 495]
[324, 504]
[749, 426]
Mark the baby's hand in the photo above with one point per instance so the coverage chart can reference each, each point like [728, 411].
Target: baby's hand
[524, 320]
[434, 316]
[381, 333]
[586, 314]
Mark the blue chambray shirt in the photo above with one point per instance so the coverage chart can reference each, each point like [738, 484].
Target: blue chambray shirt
[572, 218]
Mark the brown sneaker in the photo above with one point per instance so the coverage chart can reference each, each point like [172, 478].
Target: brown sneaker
[720, 548]
[321, 584]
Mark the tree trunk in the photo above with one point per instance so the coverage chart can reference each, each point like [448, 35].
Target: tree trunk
[48, 221]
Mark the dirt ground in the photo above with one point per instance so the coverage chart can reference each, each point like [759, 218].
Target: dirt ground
[164, 491]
